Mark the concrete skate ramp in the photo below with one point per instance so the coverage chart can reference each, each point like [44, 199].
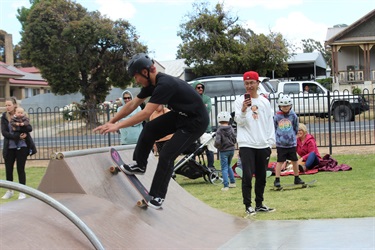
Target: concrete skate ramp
[107, 205]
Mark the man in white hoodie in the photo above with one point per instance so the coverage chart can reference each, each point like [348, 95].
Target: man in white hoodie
[255, 137]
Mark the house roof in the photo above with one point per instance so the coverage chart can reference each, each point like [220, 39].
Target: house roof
[30, 70]
[314, 57]
[8, 73]
[19, 77]
[174, 67]
[360, 31]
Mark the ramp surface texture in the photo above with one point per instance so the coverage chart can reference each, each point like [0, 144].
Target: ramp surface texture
[107, 204]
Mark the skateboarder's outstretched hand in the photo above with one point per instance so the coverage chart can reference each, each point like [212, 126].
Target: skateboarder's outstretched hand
[106, 128]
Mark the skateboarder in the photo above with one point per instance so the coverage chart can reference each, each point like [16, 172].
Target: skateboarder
[187, 121]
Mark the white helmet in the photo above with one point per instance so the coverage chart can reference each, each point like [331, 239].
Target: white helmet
[285, 100]
[223, 116]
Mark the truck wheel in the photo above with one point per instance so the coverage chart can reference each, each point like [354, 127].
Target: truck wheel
[342, 113]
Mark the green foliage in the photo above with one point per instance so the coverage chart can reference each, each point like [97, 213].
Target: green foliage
[357, 91]
[310, 45]
[77, 111]
[326, 82]
[214, 43]
[77, 50]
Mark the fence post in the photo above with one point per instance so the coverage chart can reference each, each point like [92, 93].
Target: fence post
[108, 118]
[329, 123]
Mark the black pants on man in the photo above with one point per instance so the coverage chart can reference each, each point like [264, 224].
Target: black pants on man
[185, 130]
[254, 161]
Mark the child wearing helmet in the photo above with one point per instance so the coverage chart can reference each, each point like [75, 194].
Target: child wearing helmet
[286, 129]
[224, 141]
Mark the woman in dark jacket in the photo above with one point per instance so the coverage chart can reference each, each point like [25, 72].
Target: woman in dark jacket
[10, 151]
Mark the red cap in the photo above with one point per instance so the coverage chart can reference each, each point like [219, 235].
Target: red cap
[251, 75]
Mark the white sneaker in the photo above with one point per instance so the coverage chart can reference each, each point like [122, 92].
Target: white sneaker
[232, 185]
[225, 189]
[8, 195]
[21, 196]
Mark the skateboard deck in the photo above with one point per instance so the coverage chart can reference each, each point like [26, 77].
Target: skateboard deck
[117, 160]
[293, 186]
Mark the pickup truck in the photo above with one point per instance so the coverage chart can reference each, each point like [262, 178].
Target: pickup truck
[311, 98]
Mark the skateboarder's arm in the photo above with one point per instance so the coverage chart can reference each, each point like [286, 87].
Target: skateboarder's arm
[127, 109]
[135, 119]
[110, 126]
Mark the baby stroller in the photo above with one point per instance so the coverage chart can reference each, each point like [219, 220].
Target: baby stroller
[193, 165]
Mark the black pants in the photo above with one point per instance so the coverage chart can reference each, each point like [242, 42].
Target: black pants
[254, 161]
[20, 156]
[185, 130]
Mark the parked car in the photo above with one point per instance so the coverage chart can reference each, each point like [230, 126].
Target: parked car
[223, 90]
[311, 98]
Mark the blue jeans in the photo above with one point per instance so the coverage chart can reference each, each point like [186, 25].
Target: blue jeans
[226, 169]
[311, 161]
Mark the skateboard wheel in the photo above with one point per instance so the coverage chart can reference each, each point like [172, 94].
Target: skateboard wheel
[59, 156]
[141, 203]
[113, 170]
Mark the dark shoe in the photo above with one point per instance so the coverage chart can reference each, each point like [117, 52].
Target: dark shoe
[298, 180]
[264, 208]
[156, 203]
[133, 169]
[301, 169]
[276, 183]
[250, 211]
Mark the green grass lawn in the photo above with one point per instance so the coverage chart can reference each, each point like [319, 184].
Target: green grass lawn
[345, 194]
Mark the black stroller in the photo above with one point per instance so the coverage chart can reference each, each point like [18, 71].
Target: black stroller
[193, 165]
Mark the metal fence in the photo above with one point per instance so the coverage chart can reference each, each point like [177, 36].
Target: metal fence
[56, 130]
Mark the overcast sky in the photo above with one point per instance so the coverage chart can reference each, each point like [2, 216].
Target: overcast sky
[157, 21]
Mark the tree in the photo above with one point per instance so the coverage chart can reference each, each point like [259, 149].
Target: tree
[79, 51]
[310, 45]
[214, 43]
[267, 53]
[2, 45]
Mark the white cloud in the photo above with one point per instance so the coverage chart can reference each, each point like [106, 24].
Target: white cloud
[116, 9]
[296, 26]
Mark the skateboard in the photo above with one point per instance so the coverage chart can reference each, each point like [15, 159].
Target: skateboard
[293, 186]
[115, 156]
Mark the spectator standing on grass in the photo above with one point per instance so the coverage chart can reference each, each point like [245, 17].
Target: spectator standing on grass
[130, 134]
[255, 137]
[307, 149]
[286, 128]
[210, 149]
[225, 141]
[11, 153]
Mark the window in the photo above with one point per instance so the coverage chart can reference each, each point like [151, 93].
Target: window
[239, 87]
[36, 92]
[218, 88]
[2, 91]
[291, 88]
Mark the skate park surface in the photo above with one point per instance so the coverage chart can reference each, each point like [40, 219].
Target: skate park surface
[106, 203]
